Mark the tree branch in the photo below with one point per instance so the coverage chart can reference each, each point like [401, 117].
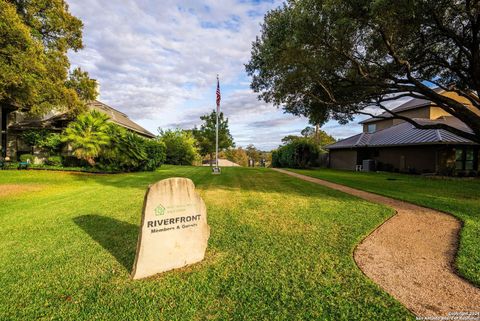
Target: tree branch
[450, 105]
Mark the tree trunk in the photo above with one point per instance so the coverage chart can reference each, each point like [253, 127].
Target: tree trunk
[90, 161]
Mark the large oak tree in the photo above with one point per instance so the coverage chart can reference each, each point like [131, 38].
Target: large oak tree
[35, 36]
[331, 59]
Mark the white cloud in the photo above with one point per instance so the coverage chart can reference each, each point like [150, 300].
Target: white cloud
[157, 62]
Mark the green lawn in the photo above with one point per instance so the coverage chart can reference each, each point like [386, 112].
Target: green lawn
[280, 249]
[458, 197]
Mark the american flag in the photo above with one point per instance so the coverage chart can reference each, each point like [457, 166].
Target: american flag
[218, 95]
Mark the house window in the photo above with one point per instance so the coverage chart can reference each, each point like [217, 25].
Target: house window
[469, 159]
[464, 159]
[459, 159]
[371, 128]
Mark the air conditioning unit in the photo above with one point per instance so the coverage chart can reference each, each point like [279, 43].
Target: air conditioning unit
[368, 165]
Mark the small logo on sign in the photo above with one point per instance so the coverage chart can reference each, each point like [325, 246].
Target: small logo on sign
[159, 210]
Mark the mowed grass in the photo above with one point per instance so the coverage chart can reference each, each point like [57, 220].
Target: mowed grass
[460, 197]
[280, 249]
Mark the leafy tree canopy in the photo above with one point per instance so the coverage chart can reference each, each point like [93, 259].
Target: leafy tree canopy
[333, 59]
[253, 153]
[35, 36]
[84, 86]
[236, 155]
[313, 134]
[319, 137]
[290, 138]
[205, 135]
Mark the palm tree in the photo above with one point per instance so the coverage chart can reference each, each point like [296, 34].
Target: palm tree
[87, 135]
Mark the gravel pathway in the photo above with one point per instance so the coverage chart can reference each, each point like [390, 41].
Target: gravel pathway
[411, 256]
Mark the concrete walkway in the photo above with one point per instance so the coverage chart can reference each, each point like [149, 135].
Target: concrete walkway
[411, 256]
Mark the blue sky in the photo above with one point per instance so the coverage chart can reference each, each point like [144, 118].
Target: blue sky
[157, 61]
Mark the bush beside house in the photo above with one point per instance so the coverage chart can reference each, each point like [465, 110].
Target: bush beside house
[300, 153]
[54, 161]
[93, 143]
[307, 150]
[109, 147]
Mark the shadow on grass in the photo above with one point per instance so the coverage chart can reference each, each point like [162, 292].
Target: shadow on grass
[117, 237]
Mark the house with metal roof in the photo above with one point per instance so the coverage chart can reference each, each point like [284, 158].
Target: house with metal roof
[14, 123]
[391, 144]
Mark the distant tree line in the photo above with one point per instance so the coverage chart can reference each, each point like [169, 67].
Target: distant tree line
[192, 146]
[248, 156]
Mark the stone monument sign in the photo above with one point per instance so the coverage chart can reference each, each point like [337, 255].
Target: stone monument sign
[174, 230]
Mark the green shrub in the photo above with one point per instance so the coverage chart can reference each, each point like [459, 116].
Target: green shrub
[42, 138]
[109, 147]
[52, 143]
[54, 161]
[130, 152]
[72, 161]
[33, 137]
[180, 147]
[25, 157]
[275, 160]
[156, 155]
[301, 153]
[11, 165]
[126, 153]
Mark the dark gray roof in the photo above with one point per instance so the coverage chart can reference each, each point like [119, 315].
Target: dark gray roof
[413, 103]
[119, 118]
[36, 122]
[48, 121]
[406, 134]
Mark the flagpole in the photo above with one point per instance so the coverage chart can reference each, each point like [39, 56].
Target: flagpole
[216, 145]
[216, 138]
